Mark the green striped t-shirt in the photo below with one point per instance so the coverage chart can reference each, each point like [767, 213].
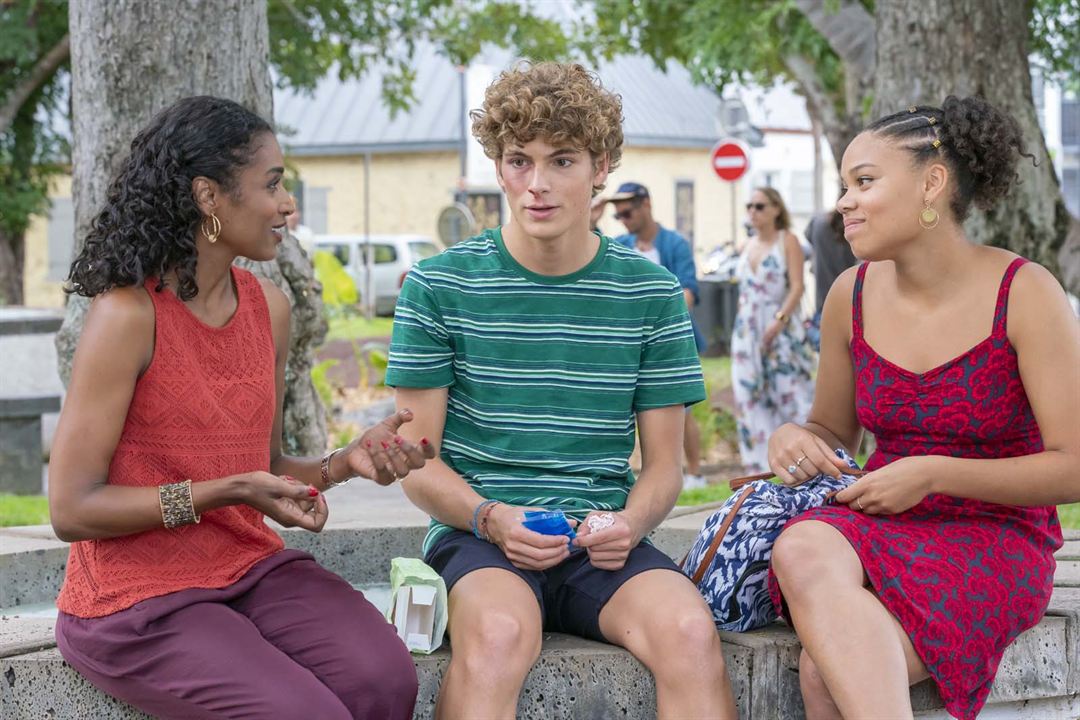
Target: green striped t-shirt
[544, 373]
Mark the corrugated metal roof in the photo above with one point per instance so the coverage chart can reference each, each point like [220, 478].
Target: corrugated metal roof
[661, 109]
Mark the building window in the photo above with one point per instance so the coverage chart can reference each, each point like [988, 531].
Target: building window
[800, 199]
[60, 238]
[1070, 189]
[313, 209]
[684, 210]
[1070, 123]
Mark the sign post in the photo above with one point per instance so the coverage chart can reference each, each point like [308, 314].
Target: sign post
[730, 161]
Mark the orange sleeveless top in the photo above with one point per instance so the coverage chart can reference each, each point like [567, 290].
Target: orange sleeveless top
[203, 409]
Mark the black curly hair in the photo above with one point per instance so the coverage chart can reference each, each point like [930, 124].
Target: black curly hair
[979, 142]
[149, 222]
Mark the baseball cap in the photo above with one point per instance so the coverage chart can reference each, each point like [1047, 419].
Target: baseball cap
[630, 191]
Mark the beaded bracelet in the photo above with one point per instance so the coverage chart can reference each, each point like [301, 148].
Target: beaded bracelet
[482, 525]
[177, 505]
[474, 525]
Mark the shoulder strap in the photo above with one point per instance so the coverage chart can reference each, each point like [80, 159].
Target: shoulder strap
[1001, 309]
[856, 301]
[718, 538]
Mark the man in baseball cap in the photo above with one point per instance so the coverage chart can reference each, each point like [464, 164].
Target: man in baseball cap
[670, 250]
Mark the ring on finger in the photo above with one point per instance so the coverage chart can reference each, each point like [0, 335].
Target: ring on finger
[858, 501]
[792, 469]
[800, 461]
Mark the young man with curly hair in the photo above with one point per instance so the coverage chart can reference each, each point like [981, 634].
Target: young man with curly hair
[527, 353]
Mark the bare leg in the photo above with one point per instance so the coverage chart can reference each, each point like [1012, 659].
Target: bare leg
[495, 630]
[692, 445]
[860, 655]
[679, 644]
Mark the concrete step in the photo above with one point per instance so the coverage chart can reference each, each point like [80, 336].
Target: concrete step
[574, 678]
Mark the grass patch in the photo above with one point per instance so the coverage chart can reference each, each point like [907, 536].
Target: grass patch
[23, 510]
[717, 371]
[357, 327]
[1069, 516]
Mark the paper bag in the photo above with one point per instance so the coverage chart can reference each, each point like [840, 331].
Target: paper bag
[417, 604]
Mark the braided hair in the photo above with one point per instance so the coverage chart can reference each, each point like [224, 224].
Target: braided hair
[149, 221]
[978, 142]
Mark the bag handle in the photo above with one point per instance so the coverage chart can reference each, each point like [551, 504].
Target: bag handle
[699, 573]
[736, 483]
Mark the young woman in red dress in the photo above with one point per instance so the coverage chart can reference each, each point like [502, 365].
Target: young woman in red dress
[962, 360]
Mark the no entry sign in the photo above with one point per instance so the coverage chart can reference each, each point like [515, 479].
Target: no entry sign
[730, 160]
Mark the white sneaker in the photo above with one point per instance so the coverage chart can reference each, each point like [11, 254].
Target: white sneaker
[693, 482]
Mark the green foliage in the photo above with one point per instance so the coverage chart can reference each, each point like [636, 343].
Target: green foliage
[322, 382]
[31, 150]
[708, 494]
[357, 327]
[719, 41]
[23, 510]
[309, 38]
[1055, 39]
[339, 290]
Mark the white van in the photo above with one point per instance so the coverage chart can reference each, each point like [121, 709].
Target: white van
[393, 256]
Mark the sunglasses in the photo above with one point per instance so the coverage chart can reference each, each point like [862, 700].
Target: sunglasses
[624, 214]
[756, 206]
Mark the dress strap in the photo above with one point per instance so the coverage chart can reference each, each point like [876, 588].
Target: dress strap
[856, 301]
[1002, 307]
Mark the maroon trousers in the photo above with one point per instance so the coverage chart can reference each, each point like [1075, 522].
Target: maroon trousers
[289, 640]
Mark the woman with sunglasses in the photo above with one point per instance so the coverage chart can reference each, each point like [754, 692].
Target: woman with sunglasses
[771, 360]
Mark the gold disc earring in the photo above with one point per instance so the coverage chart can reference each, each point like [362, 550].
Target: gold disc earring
[215, 228]
[928, 218]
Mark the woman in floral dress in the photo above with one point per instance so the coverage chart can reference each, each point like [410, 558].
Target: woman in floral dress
[962, 360]
[771, 360]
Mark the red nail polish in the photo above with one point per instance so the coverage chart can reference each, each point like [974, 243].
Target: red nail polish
[384, 445]
[398, 439]
[367, 443]
[312, 492]
[424, 441]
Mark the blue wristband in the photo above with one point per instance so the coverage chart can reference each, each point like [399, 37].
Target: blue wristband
[476, 516]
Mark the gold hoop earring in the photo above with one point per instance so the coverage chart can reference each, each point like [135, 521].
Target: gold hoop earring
[928, 218]
[215, 228]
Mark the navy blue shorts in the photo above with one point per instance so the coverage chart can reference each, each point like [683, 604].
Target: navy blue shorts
[571, 594]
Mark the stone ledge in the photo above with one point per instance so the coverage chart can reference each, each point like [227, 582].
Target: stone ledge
[574, 678]
[28, 407]
[30, 321]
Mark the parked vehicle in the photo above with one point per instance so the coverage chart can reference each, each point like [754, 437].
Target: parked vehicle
[393, 255]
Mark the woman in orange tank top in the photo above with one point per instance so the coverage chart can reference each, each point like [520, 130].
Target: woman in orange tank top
[179, 599]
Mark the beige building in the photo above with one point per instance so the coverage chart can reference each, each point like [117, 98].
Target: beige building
[363, 170]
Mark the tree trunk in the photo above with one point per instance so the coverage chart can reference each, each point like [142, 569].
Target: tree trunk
[305, 428]
[928, 49]
[12, 255]
[129, 60]
[850, 30]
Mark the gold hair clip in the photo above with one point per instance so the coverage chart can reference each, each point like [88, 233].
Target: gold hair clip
[932, 121]
[936, 144]
[912, 108]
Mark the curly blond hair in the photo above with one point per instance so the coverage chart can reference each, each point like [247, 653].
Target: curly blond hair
[562, 103]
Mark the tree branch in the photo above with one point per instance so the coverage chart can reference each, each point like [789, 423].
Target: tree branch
[850, 31]
[40, 74]
[817, 97]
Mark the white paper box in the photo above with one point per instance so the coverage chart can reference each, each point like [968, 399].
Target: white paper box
[414, 616]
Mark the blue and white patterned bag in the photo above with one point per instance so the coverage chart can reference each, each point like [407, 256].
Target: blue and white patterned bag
[729, 561]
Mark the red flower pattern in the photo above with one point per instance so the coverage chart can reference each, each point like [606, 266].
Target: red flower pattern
[963, 577]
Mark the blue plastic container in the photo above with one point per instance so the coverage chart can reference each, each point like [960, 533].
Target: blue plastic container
[549, 522]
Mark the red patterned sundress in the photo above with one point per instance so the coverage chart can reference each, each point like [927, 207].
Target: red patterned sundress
[963, 577]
